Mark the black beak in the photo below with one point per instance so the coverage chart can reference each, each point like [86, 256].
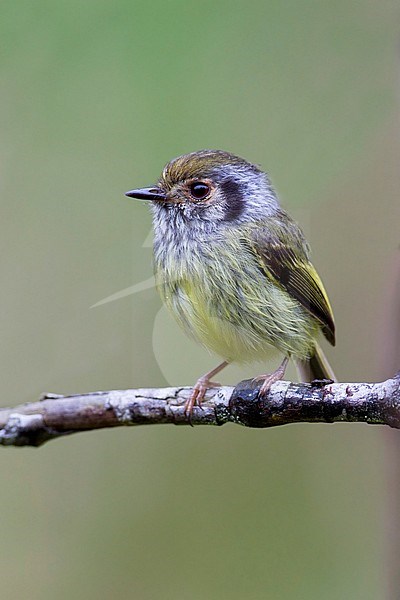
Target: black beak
[147, 194]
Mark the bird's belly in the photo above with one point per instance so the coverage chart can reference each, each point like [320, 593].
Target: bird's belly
[241, 323]
[226, 337]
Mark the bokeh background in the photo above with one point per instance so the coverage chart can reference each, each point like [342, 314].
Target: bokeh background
[96, 96]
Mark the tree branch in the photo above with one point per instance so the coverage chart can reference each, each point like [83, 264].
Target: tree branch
[53, 416]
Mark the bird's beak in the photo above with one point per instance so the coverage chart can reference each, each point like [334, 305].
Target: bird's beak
[152, 193]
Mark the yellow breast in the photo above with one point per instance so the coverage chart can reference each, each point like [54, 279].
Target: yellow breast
[231, 308]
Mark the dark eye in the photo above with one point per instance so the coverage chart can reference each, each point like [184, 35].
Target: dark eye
[199, 190]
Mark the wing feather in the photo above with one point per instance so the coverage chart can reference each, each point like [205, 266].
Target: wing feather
[284, 258]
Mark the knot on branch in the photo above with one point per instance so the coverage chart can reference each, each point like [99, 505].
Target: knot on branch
[321, 401]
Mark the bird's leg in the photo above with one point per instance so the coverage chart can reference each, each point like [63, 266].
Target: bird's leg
[273, 377]
[200, 388]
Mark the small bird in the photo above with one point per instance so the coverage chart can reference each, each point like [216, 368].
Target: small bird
[233, 268]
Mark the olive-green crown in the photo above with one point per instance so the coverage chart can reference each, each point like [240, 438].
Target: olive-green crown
[201, 164]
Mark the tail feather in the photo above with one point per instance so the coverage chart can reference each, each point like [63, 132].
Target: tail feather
[316, 367]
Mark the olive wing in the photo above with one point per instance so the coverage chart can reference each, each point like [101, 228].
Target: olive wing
[283, 257]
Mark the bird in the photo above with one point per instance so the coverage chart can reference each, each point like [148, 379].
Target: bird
[234, 268]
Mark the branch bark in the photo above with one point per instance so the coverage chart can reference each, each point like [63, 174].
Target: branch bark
[53, 415]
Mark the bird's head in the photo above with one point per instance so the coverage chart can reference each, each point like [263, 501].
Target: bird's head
[210, 187]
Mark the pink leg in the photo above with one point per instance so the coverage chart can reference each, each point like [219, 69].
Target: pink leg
[273, 377]
[200, 388]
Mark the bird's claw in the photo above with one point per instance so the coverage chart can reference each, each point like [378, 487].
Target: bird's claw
[197, 396]
[270, 378]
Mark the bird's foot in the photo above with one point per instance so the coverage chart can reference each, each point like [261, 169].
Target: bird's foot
[270, 378]
[197, 395]
[199, 390]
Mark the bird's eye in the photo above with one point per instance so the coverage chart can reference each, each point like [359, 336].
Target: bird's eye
[199, 190]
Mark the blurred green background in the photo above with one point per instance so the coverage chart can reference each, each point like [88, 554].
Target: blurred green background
[96, 97]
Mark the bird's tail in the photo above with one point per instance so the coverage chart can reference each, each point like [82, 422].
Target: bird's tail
[315, 367]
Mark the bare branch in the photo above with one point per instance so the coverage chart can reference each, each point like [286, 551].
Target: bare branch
[53, 416]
